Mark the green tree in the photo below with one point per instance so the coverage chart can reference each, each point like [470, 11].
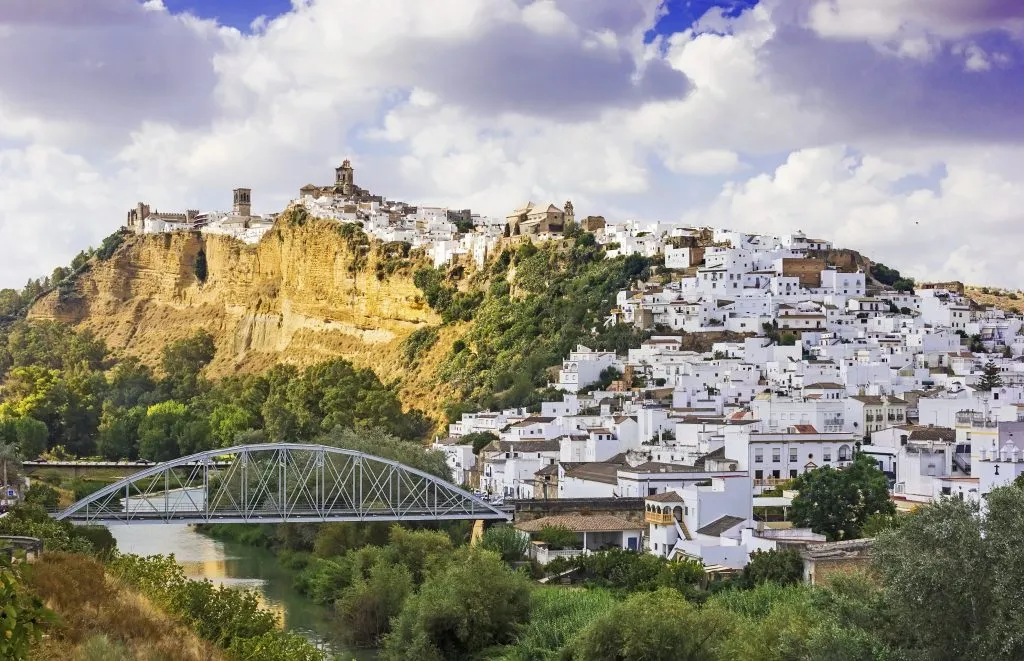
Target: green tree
[990, 377]
[162, 429]
[44, 495]
[119, 432]
[367, 607]
[783, 566]
[479, 440]
[11, 303]
[838, 502]
[475, 603]
[660, 626]
[182, 363]
[507, 542]
[227, 421]
[558, 537]
[382, 444]
[131, 383]
[28, 434]
[936, 572]
[417, 550]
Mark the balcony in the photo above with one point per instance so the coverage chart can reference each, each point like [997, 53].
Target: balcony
[658, 518]
[976, 420]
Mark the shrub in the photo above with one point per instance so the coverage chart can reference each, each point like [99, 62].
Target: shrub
[507, 542]
[475, 603]
[199, 268]
[558, 538]
[367, 606]
[420, 340]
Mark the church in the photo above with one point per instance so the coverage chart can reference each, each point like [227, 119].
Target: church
[344, 187]
[539, 219]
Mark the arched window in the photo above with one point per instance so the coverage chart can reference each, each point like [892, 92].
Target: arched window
[844, 453]
[677, 512]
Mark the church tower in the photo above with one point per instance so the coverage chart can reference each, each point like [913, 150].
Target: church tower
[344, 177]
[242, 205]
[570, 213]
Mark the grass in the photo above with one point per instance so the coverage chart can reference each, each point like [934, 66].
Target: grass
[99, 618]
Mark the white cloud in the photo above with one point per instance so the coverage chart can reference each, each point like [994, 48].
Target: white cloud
[882, 113]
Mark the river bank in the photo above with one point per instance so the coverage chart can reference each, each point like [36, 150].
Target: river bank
[242, 566]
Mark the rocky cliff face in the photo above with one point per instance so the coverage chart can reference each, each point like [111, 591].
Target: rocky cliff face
[304, 294]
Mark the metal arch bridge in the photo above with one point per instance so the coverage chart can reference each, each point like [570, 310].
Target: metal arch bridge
[279, 483]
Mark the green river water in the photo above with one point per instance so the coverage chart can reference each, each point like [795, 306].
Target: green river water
[236, 565]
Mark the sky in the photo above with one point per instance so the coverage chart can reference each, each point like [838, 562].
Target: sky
[888, 126]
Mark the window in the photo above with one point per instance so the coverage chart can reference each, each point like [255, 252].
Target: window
[758, 474]
[792, 454]
[776, 455]
[759, 456]
[792, 473]
[652, 491]
[844, 453]
[826, 455]
[776, 474]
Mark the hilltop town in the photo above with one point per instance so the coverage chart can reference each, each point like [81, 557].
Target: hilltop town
[829, 356]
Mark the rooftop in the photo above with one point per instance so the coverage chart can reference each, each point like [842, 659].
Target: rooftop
[579, 523]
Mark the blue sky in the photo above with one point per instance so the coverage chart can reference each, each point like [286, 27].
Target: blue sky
[236, 13]
[852, 124]
[241, 13]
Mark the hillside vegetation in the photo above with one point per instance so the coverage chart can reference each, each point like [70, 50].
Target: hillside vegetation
[443, 340]
[312, 291]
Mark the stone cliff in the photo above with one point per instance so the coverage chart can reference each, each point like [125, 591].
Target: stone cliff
[304, 294]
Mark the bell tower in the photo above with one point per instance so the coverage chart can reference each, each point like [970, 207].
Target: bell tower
[242, 205]
[344, 177]
[570, 213]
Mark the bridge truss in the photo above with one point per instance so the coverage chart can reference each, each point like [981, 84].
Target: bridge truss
[278, 483]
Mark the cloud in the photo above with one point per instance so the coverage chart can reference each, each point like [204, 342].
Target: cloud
[892, 208]
[106, 66]
[849, 119]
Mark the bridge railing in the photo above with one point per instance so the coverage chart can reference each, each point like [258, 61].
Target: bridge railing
[279, 482]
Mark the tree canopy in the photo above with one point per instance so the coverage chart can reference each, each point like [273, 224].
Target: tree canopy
[837, 502]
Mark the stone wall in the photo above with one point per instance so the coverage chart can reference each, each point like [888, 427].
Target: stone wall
[806, 268]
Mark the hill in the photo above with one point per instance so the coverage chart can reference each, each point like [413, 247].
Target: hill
[450, 339]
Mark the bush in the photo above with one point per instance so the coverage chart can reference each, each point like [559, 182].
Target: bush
[558, 538]
[109, 246]
[507, 542]
[783, 566]
[475, 603]
[22, 617]
[366, 607]
[43, 495]
[420, 340]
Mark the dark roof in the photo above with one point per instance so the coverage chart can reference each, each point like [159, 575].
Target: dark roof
[922, 433]
[532, 421]
[719, 526]
[667, 497]
[550, 469]
[526, 445]
[657, 467]
[595, 472]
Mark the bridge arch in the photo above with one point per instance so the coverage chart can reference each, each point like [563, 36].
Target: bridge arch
[278, 483]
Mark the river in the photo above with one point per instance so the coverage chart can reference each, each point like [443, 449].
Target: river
[237, 565]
